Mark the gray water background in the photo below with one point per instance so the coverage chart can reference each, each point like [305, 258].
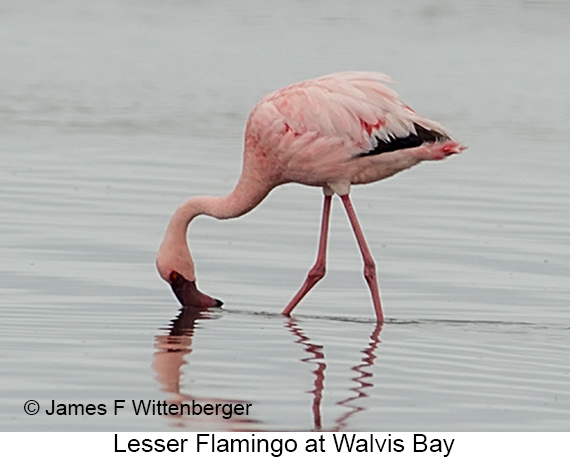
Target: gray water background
[114, 112]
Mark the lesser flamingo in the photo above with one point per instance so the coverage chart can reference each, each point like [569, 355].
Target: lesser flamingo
[329, 132]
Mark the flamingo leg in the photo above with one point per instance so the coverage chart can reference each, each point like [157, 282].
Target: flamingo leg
[369, 265]
[318, 270]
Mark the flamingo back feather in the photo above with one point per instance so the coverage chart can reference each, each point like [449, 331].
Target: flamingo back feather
[318, 124]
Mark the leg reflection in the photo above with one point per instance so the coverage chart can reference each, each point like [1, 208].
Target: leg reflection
[363, 378]
[316, 356]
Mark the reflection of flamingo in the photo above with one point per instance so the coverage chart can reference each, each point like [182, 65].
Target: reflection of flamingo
[318, 357]
[172, 349]
[330, 132]
[362, 378]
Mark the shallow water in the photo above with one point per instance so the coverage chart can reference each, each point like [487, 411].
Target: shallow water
[113, 113]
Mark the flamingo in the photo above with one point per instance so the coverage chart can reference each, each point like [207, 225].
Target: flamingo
[329, 132]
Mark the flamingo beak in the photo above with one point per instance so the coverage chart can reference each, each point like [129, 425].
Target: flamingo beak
[188, 294]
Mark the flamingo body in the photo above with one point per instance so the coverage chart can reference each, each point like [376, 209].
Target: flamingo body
[330, 132]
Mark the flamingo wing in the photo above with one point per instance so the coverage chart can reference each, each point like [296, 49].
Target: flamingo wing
[352, 109]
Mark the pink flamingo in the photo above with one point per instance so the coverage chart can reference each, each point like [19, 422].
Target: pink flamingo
[330, 132]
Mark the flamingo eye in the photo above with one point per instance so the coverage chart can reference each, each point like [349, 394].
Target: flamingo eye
[174, 276]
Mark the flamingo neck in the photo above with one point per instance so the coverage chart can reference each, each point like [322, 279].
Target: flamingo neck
[174, 254]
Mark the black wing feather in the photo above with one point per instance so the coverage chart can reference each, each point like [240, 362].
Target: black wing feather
[413, 140]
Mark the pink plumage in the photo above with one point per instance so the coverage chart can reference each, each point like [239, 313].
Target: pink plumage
[331, 132]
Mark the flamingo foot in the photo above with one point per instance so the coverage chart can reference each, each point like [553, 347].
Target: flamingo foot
[188, 294]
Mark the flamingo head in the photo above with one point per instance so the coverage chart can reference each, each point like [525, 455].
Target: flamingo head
[175, 268]
[188, 294]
